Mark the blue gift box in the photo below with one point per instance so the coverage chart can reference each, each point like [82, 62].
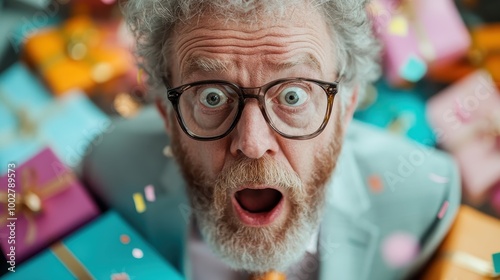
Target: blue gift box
[106, 247]
[401, 111]
[32, 119]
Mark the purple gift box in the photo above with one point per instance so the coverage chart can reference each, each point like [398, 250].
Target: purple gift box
[41, 202]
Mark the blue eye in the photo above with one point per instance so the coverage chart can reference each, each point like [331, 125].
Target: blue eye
[293, 96]
[213, 97]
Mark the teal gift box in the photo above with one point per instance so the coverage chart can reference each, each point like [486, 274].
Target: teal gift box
[104, 249]
[33, 119]
[401, 111]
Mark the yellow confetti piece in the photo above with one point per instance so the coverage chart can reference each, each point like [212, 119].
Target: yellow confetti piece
[140, 206]
[398, 26]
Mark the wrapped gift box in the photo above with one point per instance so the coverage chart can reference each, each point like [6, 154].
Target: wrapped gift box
[487, 10]
[106, 247]
[96, 8]
[417, 35]
[468, 249]
[466, 119]
[77, 55]
[32, 118]
[399, 111]
[50, 202]
[484, 53]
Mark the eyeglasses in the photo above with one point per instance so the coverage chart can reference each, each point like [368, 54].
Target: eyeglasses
[296, 108]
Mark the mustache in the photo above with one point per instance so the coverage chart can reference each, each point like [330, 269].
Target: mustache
[262, 171]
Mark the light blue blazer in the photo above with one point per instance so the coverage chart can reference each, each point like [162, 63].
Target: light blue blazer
[416, 182]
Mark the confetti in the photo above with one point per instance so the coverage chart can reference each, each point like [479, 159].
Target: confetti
[149, 190]
[495, 198]
[137, 253]
[140, 206]
[124, 239]
[375, 183]
[120, 276]
[167, 151]
[443, 210]
[400, 249]
[398, 26]
[414, 69]
[438, 179]
[496, 263]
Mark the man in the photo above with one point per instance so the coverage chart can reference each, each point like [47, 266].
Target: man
[257, 99]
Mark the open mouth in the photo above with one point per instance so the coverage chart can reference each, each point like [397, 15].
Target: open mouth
[258, 207]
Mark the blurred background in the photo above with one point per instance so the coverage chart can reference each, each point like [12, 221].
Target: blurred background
[66, 71]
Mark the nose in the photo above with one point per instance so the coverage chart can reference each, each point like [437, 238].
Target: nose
[253, 137]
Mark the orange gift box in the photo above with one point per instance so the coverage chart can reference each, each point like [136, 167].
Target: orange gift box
[484, 53]
[76, 55]
[467, 251]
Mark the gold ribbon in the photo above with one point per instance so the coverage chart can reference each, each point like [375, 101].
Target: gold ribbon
[29, 199]
[471, 263]
[28, 126]
[408, 10]
[71, 262]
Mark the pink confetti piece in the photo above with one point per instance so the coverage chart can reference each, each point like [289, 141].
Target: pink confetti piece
[399, 249]
[438, 179]
[149, 191]
[495, 199]
[443, 210]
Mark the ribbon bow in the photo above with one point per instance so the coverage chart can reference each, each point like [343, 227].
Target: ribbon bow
[29, 199]
[484, 128]
[471, 263]
[28, 125]
[81, 39]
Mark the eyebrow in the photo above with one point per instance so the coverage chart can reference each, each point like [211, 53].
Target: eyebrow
[211, 65]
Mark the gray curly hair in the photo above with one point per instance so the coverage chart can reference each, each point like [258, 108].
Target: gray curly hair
[357, 51]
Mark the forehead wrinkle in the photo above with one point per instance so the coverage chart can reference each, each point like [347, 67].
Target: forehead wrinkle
[204, 64]
[305, 59]
[259, 43]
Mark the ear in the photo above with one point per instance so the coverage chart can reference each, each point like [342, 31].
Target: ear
[351, 106]
[164, 113]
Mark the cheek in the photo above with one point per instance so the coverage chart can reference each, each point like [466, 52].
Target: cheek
[210, 156]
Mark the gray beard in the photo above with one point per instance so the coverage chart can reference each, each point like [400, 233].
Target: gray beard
[258, 249]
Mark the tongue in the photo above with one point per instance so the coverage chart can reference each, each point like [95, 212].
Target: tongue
[257, 201]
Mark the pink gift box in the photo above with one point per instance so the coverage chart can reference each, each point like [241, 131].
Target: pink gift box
[417, 34]
[466, 119]
[50, 202]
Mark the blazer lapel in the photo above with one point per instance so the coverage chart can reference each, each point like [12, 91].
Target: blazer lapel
[348, 241]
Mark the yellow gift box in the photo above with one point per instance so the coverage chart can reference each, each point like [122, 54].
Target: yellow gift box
[76, 55]
[467, 250]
